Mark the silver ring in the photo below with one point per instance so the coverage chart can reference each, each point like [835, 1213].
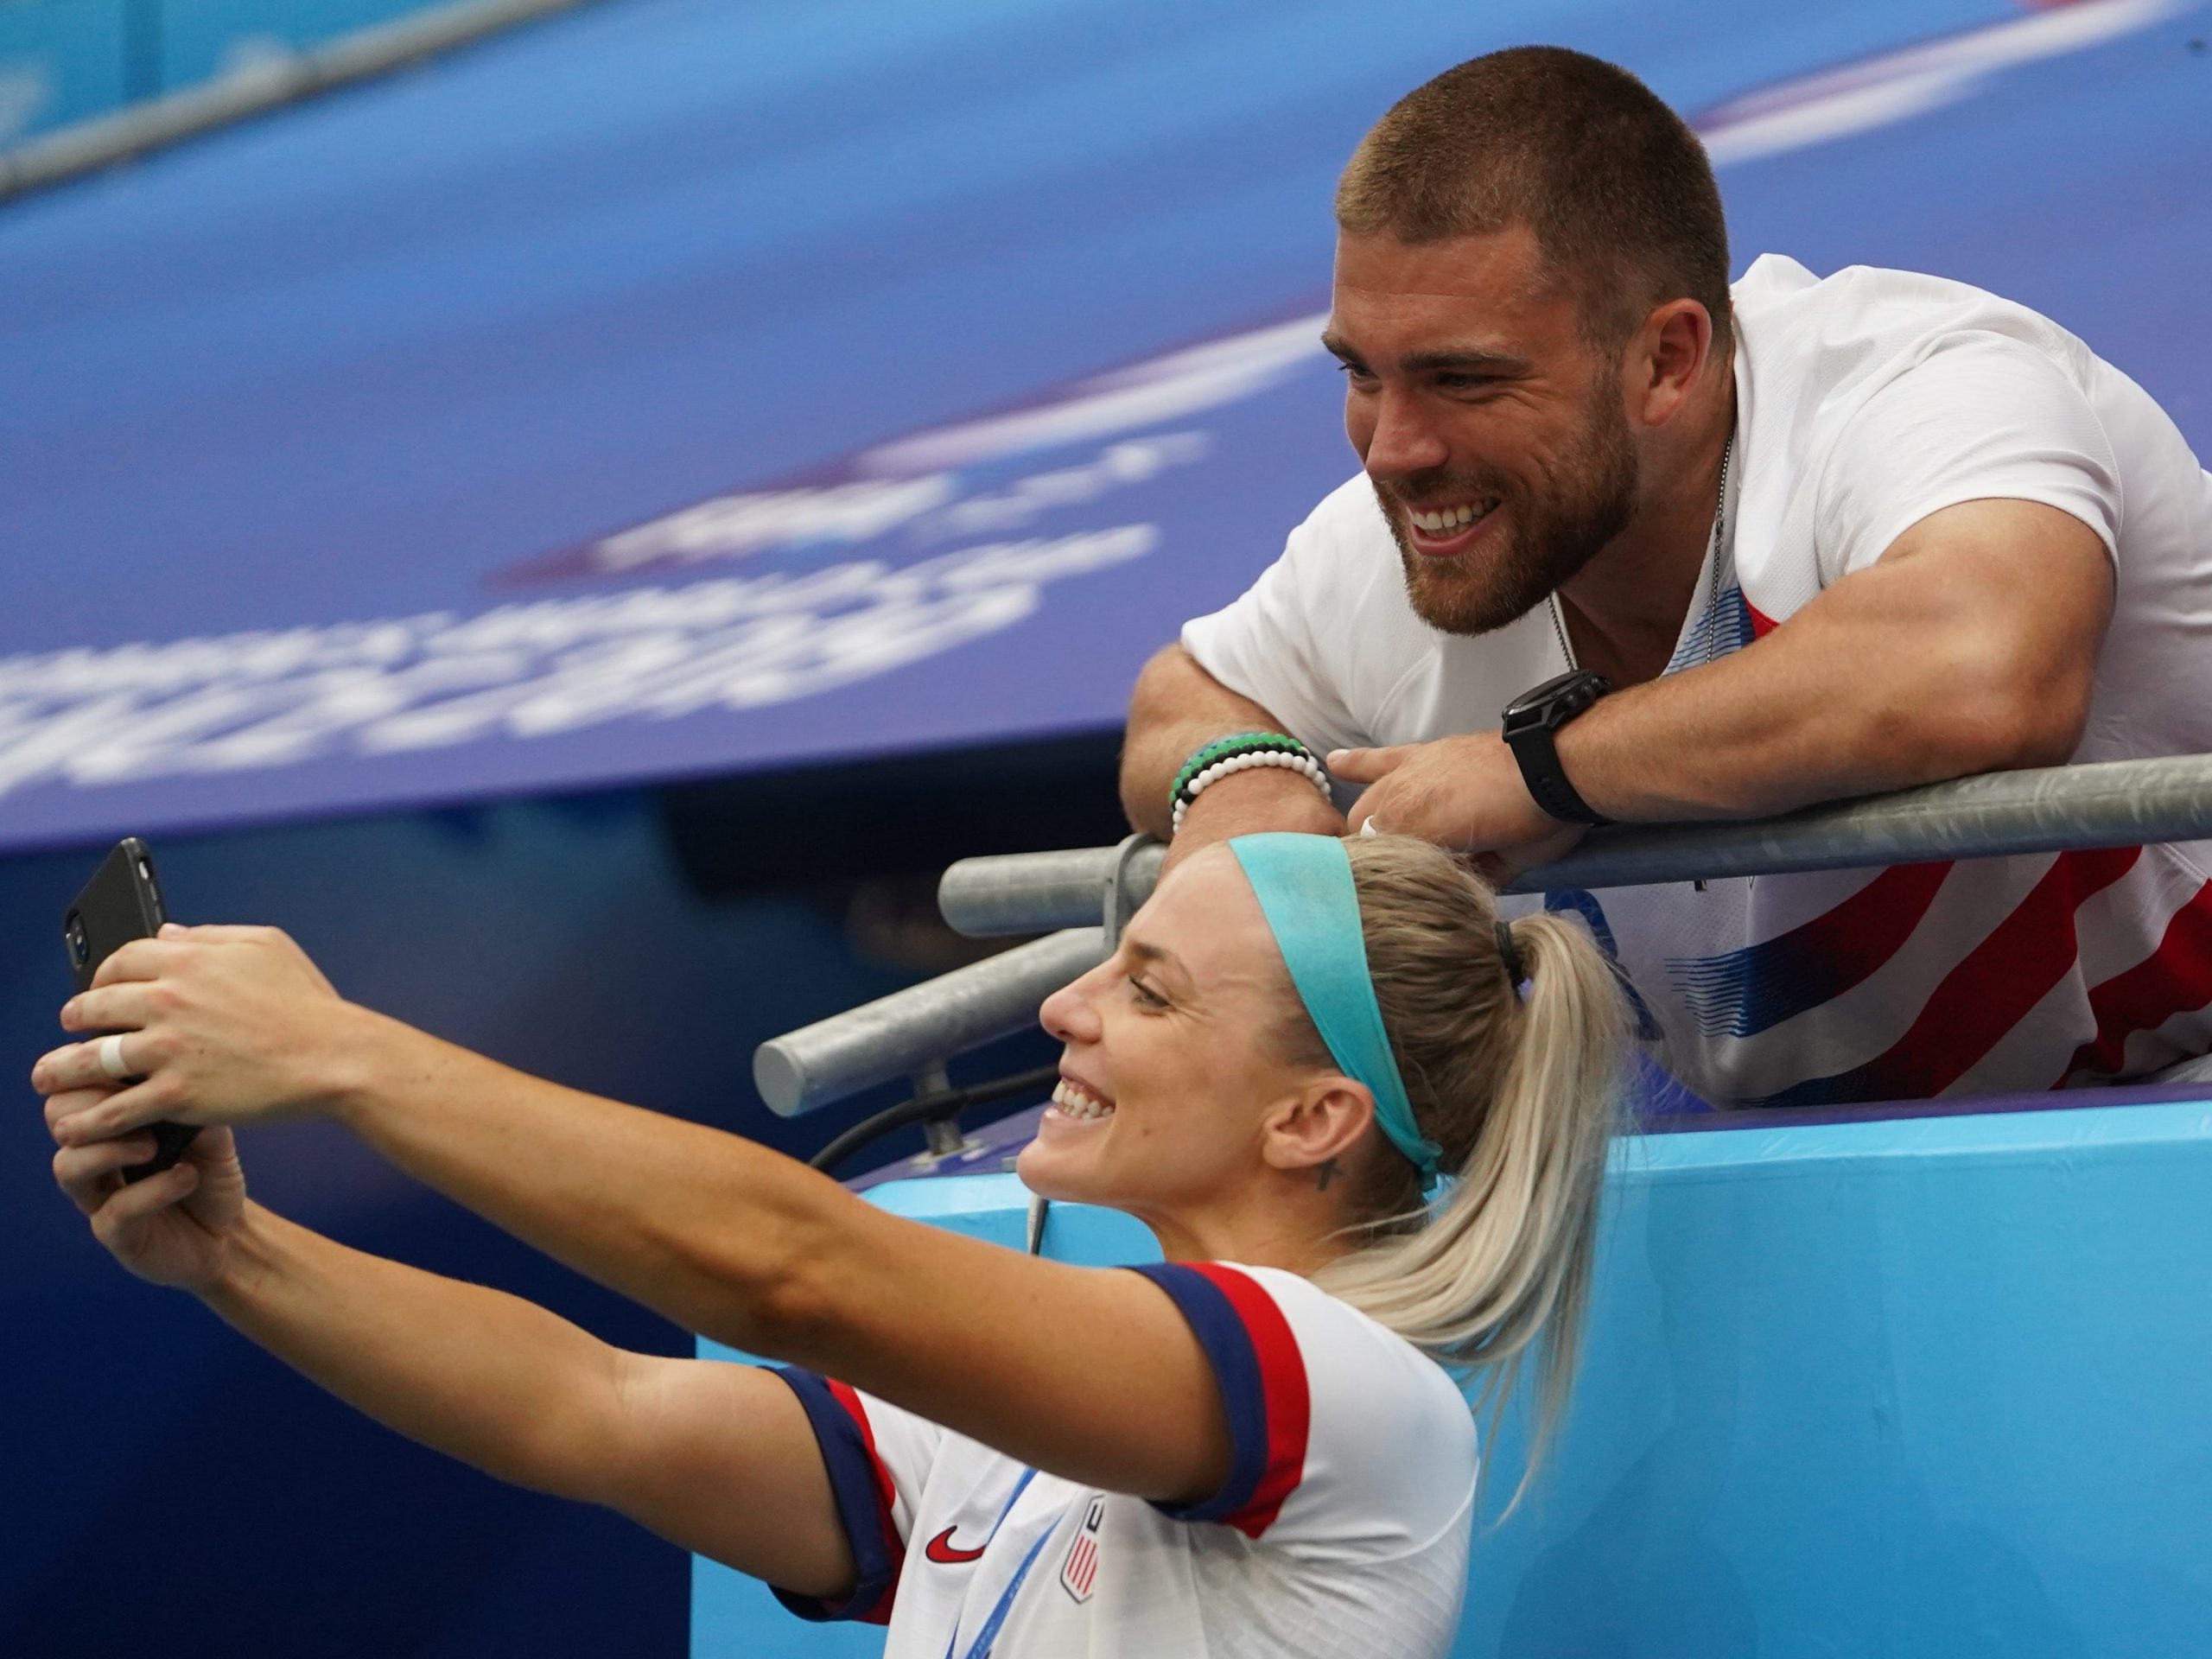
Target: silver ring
[1369, 828]
[111, 1053]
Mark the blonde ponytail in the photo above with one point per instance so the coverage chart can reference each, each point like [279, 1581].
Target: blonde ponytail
[1521, 1092]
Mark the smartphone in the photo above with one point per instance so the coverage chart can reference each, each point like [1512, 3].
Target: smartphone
[122, 902]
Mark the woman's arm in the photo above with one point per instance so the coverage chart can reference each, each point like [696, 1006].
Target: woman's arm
[1089, 1374]
[718, 1459]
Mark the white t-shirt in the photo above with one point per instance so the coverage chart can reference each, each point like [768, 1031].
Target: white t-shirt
[1342, 1531]
[1866, 401]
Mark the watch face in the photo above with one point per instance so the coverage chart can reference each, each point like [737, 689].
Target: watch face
[1553, 702]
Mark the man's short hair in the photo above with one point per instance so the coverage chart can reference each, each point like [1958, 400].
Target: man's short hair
[1613, 184]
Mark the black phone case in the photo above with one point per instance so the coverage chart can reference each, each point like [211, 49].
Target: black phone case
[122, 902]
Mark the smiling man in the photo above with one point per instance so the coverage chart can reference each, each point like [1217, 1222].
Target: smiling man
[1629, 545]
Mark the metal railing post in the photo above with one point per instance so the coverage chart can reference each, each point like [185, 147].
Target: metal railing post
[897, 1035]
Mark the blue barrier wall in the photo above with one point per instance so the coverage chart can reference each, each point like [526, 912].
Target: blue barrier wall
[1924, 1388]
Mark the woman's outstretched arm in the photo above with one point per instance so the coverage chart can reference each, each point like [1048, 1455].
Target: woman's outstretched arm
[718, 1459]
[1092, 1376]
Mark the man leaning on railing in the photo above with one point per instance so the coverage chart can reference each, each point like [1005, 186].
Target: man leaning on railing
[1631, 546]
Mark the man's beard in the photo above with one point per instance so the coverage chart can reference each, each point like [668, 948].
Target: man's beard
[1539, 542]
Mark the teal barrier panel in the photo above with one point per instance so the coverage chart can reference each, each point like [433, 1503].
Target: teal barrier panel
[64, 61]
[68, 61]
[1938, 1387]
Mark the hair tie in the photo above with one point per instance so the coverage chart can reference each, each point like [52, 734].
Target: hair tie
[1514, 976]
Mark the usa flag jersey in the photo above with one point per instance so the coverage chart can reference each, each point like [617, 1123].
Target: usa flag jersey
[1341, 1532]
[1866, 401]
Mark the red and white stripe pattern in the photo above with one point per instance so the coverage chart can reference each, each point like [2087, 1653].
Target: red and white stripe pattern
[1993, 976]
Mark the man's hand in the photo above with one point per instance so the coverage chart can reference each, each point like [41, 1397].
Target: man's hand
[175, 1228]
[219, 1025]
[1464, 793]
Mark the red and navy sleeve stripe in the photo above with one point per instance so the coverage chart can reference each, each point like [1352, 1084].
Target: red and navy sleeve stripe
[862, 1488]
[1262, 1380]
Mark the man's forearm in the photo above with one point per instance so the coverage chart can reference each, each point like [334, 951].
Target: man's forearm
[705, 1228]
[481, 1375]
[1177, 709]
[1823, 709]
[1706, 744]
[1969, 646]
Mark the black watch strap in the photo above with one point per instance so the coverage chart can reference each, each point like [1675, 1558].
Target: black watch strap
[1530, 726]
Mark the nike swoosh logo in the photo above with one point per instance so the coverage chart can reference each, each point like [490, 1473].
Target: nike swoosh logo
[940, 1550]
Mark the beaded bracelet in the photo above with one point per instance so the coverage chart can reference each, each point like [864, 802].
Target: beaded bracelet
[1240, 751]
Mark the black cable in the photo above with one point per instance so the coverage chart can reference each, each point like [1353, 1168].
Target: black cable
[923, 1109]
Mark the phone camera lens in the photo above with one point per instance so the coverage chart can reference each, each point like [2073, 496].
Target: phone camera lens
[79, 946]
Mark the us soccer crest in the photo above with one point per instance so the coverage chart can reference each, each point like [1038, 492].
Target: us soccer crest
[1079, 1572]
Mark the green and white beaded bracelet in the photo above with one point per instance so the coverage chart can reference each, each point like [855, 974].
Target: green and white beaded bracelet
[1240, 751]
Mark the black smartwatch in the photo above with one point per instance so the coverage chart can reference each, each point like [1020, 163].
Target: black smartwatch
[1530, 726]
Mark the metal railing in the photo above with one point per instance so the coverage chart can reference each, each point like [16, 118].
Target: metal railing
[2059, 809]
[2111, 803]
[905, 1034]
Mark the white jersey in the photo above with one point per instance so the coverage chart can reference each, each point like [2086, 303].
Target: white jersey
[1341, 1534]
[1865, 401]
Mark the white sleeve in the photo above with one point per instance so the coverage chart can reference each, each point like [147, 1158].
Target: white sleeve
[1348, 1444]
[879, 1459]
[1267, 645]
[1983, 416]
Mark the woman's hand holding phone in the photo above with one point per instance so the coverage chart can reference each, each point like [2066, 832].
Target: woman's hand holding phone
[219, 1025]
[175, 1228]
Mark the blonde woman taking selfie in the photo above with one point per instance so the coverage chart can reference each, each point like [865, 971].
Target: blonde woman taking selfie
[1365, 1120]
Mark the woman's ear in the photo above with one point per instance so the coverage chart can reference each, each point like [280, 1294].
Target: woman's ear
[1317, 1128]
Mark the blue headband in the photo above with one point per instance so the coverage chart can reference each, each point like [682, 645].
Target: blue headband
[1305, 891]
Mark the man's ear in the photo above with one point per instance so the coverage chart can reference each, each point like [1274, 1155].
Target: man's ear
[1667, 359]
[1323, 1121]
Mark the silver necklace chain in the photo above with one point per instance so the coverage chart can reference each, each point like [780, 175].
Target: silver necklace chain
[1712, 561]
